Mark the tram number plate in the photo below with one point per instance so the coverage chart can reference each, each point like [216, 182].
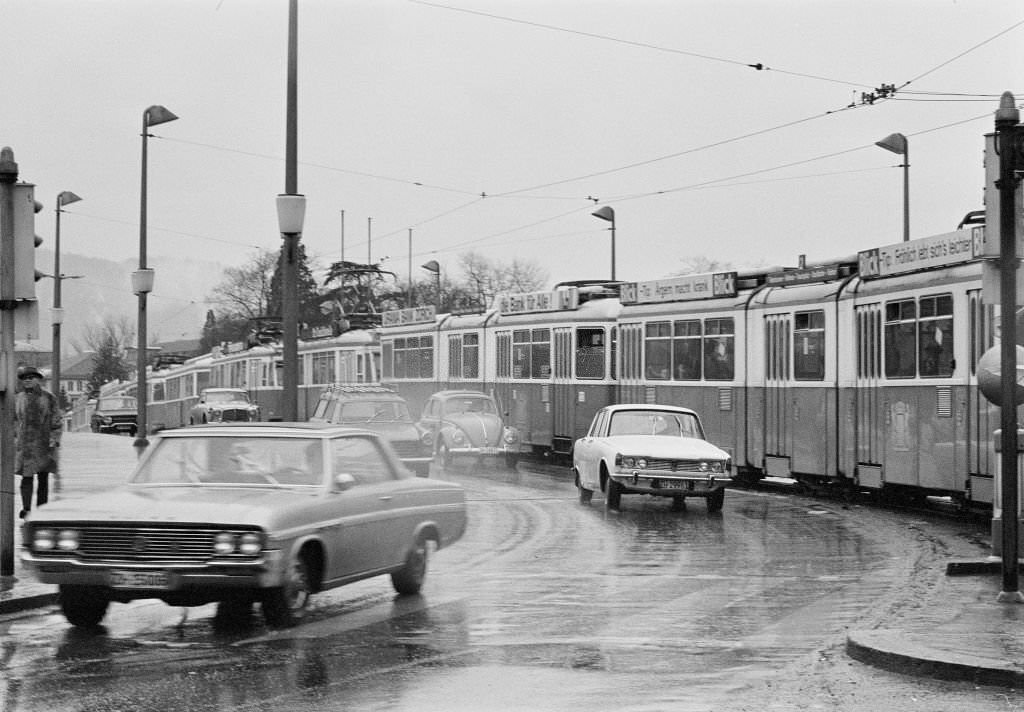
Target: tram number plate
[138, 579]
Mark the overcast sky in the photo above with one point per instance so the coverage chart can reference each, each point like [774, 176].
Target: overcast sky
[499, 125]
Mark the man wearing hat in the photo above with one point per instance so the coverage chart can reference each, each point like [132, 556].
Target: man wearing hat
[38, 423]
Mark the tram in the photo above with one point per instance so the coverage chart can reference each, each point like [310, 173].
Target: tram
[859, 372]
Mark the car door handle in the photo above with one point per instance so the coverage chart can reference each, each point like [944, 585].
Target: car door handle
[385, 498]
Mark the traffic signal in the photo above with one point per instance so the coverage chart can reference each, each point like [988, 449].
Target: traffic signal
[25, 241]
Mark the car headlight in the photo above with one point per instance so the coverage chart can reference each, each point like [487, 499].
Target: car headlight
[641, 463]
[107, 420]
[427, 439]
[510, 435]
[224, 543]
[704, 467]
[67, 540]
[718, 467]
[458, 437]
[44, 540]
[250, 544]
[627, 462]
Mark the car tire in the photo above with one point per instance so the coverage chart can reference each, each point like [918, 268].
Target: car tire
[286, 605]
[613, 495]
[585, 494]
[716, 500]
[678, 504]
[511, 460]
[408, 580]
[444, 455]
[233, 613]
[83, 606]
[95, 428]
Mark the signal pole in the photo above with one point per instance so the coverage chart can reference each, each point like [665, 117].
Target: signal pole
[8, 176]
[1007, 135]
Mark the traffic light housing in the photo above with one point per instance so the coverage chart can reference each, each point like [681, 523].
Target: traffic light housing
[25, 241]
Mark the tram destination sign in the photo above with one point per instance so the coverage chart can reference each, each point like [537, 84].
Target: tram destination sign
[530, 302]
[405, 317]
[676, 289]
[924, 253]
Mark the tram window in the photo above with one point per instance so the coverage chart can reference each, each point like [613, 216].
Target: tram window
[590, 353]
[686, 350]
[658, 350]
[719, 350]
[809, 346]
[901, 339]
[471, 355]
[387, 349]
[322, 367]
[455, 356]
[935, 336]
[158, 392]
[531, 353]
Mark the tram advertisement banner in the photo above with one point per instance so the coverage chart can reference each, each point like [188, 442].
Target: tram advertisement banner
[925, 253]
[414, 315]
[691, 286]
[557, 300]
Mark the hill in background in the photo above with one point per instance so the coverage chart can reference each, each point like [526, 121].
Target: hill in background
[176, 308]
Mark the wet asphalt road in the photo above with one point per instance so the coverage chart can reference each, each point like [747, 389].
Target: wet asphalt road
[546, 604]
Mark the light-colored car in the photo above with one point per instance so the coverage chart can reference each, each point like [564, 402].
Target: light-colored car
[657, 450]
[223, 405]
[380, 409]
[462, 423]
[245, 513]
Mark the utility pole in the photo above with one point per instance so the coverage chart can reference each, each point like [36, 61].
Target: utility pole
[8, 176]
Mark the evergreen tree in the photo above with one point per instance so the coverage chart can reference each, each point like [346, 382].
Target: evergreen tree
[107, 365]
[309, 295]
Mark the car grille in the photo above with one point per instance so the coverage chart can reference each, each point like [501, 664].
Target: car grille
[235, 415]
[121, 419]
[148, 545]
[409, 448]
[677, 466]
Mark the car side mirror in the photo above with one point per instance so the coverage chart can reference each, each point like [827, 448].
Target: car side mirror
[344, 481]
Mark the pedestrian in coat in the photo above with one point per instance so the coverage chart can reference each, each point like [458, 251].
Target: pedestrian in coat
[38, 423]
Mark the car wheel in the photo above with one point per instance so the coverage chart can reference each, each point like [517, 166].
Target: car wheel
[83, 606]
[286, 605]
[511, 459]
[585, 494]
[715, 500]
[95, 427]
[232, 613]
[613, 495]
[408, 580]
[133, 431]
[444, 455]
[679, 504]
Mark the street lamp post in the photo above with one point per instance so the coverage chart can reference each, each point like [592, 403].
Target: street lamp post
[64, 198]
[897, 143]
[434, 267]
[606, 212]
[142, 280]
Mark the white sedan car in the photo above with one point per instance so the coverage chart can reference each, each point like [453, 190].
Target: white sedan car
[657, 450]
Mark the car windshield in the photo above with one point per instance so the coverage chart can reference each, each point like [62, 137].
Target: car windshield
[232, 460]
[227, 397]
[654, 422]
[367, 411]
[469, 404]
[117, 404]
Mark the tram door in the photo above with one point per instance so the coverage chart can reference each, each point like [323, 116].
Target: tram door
[983, 418]
[778, 436]
[868, 405]
[563, 396]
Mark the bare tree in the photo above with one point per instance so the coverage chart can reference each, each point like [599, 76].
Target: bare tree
[245, 292]
[117, 331]
[486, 279]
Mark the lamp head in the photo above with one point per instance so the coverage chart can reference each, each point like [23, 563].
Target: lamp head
[66, 198]
[897, 143]
[291, 212]
[605, 212]
[157, 114]
[432, 266]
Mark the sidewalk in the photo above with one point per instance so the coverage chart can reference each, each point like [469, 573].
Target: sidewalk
[89, 463]
[959, 632]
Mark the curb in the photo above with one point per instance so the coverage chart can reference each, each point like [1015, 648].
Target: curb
[24, 603]
[888, 650]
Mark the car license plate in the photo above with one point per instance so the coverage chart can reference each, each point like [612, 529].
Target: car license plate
[673, 484]
[138, 579]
